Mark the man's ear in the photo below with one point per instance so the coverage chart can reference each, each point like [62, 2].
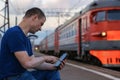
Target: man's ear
[34, 17]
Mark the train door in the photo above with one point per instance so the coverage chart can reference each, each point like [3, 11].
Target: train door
[79, 39]
[56, 42]
[83, 37]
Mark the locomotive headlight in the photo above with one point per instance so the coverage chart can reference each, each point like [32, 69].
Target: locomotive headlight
[99, 34]
[36, 48]
[103, 34]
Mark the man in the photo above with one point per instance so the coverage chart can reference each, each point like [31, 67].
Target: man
[16, 55]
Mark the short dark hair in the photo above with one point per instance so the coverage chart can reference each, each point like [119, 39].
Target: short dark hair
[34, 11]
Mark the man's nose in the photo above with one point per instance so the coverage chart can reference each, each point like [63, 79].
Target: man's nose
[40, 29]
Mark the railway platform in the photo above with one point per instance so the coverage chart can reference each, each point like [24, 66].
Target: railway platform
[74, 70]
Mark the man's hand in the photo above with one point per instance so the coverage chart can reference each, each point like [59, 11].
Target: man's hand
[62, 64]
[50, 59]
[53, 59]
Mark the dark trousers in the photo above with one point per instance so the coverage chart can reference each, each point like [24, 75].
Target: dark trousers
[37, 75]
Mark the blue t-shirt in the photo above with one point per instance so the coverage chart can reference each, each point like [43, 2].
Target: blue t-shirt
[13, 40]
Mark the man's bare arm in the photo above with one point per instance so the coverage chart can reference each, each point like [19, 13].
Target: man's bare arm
[30, 62]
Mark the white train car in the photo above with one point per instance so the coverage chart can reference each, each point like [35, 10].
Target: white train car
[67, 36]
[50, 43]
[43, 45]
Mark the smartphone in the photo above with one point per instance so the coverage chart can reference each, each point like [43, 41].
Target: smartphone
[62, 57]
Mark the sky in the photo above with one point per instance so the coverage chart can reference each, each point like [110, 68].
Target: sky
[57, 12]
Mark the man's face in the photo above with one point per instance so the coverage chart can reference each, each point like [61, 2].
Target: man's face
[37, 24]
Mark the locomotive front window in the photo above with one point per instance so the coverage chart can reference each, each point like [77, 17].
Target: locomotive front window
[100, 16]
[113, 15]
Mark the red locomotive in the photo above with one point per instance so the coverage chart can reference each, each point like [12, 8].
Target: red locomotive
[93, 35]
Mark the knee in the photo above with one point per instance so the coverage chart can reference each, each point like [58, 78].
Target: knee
[47, 74]
[54, 72]
[53, 75]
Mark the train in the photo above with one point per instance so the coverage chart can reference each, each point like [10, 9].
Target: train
[92, 35]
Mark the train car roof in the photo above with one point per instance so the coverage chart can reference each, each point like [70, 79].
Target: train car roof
[91, 6]
[101, 4]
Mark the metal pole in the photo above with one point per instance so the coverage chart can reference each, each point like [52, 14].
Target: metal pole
[58, 18]
[7, 4]
[16, 20]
